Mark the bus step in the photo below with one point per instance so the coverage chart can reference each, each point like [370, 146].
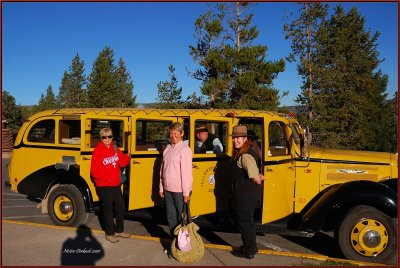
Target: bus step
[281, 229]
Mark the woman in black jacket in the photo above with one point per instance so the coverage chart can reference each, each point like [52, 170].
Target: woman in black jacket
[246, 189]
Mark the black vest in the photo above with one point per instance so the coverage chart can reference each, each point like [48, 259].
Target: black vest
[240, 180]
[207, 145]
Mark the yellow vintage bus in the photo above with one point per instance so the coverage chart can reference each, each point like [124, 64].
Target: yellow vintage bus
[353, 193]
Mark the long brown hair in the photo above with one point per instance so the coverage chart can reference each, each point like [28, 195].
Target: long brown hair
[238, 152]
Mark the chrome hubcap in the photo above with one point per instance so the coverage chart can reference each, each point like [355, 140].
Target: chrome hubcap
[372, 239]
[65, 207]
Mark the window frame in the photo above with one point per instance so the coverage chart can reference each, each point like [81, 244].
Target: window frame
[278, 148]
[32, 127]
[150, 150]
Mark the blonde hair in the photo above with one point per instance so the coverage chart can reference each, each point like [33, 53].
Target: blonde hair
[176, 127]
[105, 130]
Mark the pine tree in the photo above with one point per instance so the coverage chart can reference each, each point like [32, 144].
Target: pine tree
[72, 92]
[11, 112]
[234, 72]
[302, 32]
[393, 107]
[48, 101]
[78, 81]
[169, 95]
[349, 92]
[388, 135]
[194, 102]
[63, 97]
[124, 86]
[101, 89]
[207, 52]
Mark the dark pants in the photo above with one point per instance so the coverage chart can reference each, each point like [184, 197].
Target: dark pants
[111, 199]
[245, 205]
[174, 207]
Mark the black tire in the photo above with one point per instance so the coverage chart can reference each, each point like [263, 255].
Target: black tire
[66, 206]
[367, 234]
[89, 217]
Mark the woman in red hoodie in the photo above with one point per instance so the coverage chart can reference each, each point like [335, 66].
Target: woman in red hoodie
[105, 169]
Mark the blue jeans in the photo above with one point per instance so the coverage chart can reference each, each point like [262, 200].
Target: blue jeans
[174, 207]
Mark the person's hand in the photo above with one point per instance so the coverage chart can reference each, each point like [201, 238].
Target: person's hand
[258, 179]
[161, 194]
[185, 199]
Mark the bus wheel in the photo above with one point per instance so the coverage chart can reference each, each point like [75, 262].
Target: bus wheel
[66, 206]
[366, 234]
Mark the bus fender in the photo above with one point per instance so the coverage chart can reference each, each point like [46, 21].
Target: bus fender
[391, 183]
[326, 209]
[43, 204]
[41, 182]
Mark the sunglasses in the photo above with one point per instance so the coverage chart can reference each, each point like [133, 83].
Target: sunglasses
[105, 137]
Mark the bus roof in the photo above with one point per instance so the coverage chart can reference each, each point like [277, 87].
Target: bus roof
[157, 112]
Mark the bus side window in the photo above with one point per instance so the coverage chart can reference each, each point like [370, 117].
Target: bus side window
[186, 130]
[278, 144]
[210, 137]
[115, 125]
[43, 132]
[151, 135]
[70, 131]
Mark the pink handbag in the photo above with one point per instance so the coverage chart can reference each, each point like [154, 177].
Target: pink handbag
[184, 240]
[187, 246]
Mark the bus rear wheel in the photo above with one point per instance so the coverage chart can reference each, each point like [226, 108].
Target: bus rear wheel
[367, 234]
[66, 206]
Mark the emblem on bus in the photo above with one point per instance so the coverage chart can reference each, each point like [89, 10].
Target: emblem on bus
[211, 179]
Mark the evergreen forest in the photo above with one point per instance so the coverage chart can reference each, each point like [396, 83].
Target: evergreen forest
[343, 93]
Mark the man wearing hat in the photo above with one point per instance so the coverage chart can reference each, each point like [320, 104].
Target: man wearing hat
[246, 189]
[206, 142]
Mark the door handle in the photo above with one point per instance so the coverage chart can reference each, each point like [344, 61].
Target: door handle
[269, 170]
[85, 158]
[194, 166]
[135, 162]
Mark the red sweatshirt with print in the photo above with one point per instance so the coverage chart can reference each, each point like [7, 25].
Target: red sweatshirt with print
[105, 165]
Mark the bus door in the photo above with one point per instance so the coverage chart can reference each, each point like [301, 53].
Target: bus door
[211, 179]
[279, 172]
[149, 138]
[90, 132]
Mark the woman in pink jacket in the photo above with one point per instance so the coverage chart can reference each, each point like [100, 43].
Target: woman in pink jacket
[176, 175]
[105, 169]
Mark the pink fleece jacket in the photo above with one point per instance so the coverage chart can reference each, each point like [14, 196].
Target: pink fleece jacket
[176, 169]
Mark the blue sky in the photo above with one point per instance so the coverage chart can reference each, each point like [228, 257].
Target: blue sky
[39, 41]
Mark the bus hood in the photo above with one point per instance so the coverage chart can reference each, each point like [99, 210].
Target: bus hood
[352, 156]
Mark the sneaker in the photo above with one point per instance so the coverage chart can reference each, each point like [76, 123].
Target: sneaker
[112, 238]
[123, 235]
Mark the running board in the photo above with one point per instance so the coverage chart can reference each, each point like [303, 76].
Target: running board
[280, 229]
